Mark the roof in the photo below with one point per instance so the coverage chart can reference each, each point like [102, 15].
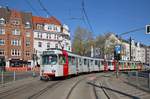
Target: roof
[26, 17]
[5, 13]
[51, 20]
[15, 14]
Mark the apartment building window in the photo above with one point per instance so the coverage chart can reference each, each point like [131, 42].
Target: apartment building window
[48, 45]
[15, 52]
[16, 42]
[39, 26]
[2, 31]
[28, 42]
[55, 36]
[15, 22]
[48, 36]
[2, 52]
[39, 44]
[2, 42]
[50, 27]
[16, 32]
[39, 35]
[2, 21]
[55, 28]
[27, 53]
[27, 34]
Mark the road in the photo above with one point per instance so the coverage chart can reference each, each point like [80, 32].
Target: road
[89, 86]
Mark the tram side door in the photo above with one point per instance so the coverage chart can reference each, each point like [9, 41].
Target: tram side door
[66, 64]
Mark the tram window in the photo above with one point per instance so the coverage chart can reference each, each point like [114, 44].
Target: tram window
[72, 61]
[62, 59]
[119, 63]
[49, 59]
[91, 62]
[102, 62]
[80, 61]
[109, 63]
[99, 63]
[96, 62]
[85, 62]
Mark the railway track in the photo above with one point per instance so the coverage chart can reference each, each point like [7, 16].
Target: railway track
[39, 93]
[99, 93]
[72, 88]
[14, 90]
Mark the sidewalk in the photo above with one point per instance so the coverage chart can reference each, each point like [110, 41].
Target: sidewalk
[122, 90]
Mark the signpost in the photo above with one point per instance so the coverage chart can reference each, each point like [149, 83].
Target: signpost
[117, 56]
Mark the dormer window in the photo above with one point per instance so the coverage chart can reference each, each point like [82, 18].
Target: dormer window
[2, 21]
[39, 26]
[15, 22]
[27, 25]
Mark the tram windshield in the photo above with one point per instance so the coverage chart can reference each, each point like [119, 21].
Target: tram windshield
[49, 59]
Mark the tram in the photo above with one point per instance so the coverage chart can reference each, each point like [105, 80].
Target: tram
[60, 63]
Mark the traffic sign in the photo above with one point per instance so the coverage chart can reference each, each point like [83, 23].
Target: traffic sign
[147, 29]
[118, 49]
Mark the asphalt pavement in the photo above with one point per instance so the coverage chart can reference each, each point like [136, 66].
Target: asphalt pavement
[89, 86]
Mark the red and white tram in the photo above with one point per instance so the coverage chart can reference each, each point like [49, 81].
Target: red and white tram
[60, 63]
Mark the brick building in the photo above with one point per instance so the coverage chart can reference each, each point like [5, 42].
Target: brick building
[16, 37]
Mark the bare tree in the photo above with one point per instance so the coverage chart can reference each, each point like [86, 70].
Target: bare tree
[83, 39]
[106, 45]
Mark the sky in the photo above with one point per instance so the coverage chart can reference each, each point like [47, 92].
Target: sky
[117, 16]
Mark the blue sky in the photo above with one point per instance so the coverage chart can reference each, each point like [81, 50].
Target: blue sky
[116, 16]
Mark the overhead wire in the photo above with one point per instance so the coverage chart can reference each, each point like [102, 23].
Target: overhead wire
[134, 30]
[86, 16]
[28, 2]
[43, 7]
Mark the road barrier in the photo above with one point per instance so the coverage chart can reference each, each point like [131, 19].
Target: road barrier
[11, 76]
[140, 79]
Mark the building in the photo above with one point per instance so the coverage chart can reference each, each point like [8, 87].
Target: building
[147, 57]
[49, 33]
[110, 43]
[16, 37]
[137, 50]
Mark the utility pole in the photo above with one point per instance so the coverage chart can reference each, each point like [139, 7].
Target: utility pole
[130, 48]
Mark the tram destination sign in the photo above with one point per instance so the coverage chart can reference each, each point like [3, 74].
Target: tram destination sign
[48, 52]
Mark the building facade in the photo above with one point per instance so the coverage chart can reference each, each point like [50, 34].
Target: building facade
[147, 57]
[16, 37]
[138, 52]
[49, 33]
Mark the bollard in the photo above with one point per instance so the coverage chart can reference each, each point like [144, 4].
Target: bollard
[2, 78]
[149, 80]
[137, 80]
[14, 75]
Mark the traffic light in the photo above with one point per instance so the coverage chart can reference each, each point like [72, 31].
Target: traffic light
[147, 29]
[117, 56]
[117, 52]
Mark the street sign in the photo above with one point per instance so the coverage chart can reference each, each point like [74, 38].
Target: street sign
[117, 52]
[147, 29]
[118, 49]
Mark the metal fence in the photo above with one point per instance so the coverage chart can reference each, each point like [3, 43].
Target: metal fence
[7, 76]
[139, 79]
